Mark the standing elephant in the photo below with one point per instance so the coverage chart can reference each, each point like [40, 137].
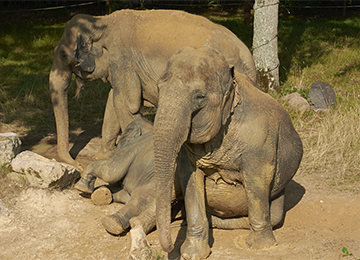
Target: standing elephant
[129, 49]
[231, 132]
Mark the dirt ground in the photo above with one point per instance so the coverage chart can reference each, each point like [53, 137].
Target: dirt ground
[52, 224]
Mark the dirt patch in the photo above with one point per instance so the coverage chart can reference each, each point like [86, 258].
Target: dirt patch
[44, 224]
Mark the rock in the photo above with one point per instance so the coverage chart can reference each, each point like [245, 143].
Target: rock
[42, 172]
[140, 246]
[3, 209]
[296, 101]
[10, 144]
[322, 96]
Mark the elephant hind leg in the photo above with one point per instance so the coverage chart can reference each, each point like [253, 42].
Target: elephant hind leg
[228, 223]
[121, 196]
[110, 130]
[277, 210]
[116, 223]
[276, 217]
[139, 202]
[146, 219]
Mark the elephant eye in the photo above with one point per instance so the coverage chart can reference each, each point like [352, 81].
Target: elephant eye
[200, 99]
[200, 95]
[63, 55]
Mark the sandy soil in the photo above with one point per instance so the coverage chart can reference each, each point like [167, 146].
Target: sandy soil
[52, 224]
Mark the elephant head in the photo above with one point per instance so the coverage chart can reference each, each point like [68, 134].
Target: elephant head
[80, 52]
[196, 98]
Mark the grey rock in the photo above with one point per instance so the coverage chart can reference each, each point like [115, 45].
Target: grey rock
[322, 96]
[297, 102]
[10, 145]
[42, 172]
[3, 209]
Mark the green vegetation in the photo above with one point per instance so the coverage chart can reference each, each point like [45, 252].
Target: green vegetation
[309, 50]
[347, 253]
[159, 255]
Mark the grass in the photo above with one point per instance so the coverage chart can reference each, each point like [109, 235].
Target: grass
[25, 62]
[309, 50]
[329, 51]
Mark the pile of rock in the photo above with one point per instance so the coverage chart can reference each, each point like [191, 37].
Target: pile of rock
[321, 98]
[39, 171]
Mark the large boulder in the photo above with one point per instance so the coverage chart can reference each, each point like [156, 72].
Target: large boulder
[322, 96]
[10, 144]
[42, 172]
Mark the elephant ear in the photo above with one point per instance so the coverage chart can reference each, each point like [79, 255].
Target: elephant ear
[82, 54]
[132, 131]
[231, 98]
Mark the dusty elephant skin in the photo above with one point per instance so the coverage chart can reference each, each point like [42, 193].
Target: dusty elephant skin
[132, 164]
[232, 132]
[129, 49]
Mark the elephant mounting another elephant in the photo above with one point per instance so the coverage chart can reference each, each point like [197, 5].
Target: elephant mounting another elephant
[231, 131]
[226, 148]
[129, 49]
[132, 166]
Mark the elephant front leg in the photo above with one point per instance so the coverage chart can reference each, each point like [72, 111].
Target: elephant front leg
[110, 130]
[196, 245]
[126, 94]
[87, 181]
[258, 194]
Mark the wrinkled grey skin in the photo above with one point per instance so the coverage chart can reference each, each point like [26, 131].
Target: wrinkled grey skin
[132, 164]
[129, 49]
[232, 132]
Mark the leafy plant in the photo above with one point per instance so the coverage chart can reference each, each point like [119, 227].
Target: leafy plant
[347, 253]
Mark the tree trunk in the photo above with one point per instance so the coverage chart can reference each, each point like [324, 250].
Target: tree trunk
[265, 44]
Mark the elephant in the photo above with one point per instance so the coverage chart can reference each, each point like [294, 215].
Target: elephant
[132, 165]
[129, 49]
[231, 131]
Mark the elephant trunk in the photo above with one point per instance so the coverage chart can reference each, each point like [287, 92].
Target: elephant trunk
[59, 81]
[172, 124]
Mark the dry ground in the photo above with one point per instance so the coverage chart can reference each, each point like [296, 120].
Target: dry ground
[52, 224]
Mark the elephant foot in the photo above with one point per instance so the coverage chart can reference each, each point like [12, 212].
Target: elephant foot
[140, 246]
[85, 184]
[195, 249]
[112, 224]
[261, 239]
[101, 196]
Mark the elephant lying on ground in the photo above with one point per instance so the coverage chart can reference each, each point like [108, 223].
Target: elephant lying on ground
[133, 165]
[231, 131]
[129, 49]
